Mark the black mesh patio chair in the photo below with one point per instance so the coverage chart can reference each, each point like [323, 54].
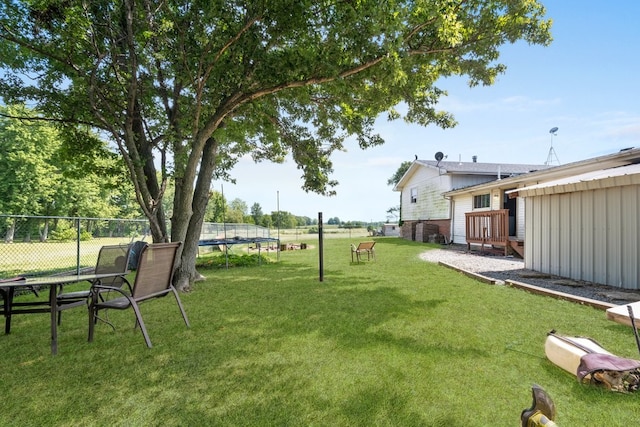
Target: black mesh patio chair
[153, 280]
[111, 259]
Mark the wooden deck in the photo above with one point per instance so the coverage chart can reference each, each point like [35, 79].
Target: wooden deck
[488, 228]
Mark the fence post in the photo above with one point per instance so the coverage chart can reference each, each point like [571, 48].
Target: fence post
[78, 246]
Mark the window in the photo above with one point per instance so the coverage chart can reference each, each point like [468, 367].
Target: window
[414, 195]
[481, 201]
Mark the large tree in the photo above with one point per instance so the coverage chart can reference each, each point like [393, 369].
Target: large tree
[189, 86]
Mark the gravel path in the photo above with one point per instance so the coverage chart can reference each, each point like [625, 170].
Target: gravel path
[503, 268]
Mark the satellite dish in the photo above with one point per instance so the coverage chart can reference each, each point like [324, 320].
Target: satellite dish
[553, 130]
[439, 156]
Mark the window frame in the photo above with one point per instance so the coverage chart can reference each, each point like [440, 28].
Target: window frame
[482, 201]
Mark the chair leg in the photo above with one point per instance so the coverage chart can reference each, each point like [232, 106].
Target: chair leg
[140, 322]
[93, 313]
[8, 300]
[184, 315]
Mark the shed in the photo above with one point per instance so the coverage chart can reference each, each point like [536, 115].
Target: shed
[391, 230]
[586, 226]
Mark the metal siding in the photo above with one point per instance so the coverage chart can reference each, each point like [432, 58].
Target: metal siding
[599, 237]
[535, 237]
[553, 247]
[545, 230]
[564, 241]
[592, 234]
[630, 229]
[613, 247]
[575, 240]
[587, 236]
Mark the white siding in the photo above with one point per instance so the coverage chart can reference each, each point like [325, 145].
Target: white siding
[430, 204]
[520, 218]
[587, 235]
[463, 181]
[461, 205]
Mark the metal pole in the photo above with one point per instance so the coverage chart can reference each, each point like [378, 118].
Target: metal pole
[633, 325]
[278, 209]
[224, 226]
[320, 247]
[77, 245]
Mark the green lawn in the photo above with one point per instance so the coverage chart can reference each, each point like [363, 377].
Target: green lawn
[395, 342]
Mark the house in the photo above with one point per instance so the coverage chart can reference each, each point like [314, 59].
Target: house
[392, 230]
[425, 211]
[580, 220]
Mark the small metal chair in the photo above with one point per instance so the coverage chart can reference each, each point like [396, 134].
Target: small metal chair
[111, 259]
[154, 278]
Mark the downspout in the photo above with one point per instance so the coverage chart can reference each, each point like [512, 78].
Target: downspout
[452, 205]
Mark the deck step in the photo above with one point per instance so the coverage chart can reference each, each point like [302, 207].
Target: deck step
[517, 246]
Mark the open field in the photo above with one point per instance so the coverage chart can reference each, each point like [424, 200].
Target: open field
[395, 342]
[36, 257]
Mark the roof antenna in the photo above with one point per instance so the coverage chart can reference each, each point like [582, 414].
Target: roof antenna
[553, 131]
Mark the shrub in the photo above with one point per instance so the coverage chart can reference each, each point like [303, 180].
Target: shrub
[220, 261]
[63, 232]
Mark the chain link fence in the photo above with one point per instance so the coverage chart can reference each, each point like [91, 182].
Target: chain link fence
[38, 245]
[45, 245]
[216, 230]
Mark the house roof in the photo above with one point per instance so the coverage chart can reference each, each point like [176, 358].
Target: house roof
[475, 168]
[468, 168]
[622, 175]
[620, 158]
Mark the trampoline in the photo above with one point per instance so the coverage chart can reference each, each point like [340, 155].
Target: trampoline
[236, 241]
[228, 243]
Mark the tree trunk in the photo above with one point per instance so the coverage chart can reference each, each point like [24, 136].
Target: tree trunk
[186, 273]
[8, 238]
[158, 223]
[44, 232]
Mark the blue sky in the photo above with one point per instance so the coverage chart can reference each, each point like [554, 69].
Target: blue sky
[585, 83]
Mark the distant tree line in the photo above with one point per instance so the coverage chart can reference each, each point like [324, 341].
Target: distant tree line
[40, 175]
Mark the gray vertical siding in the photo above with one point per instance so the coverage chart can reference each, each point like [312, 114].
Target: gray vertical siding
[630, 230]
[589, 235]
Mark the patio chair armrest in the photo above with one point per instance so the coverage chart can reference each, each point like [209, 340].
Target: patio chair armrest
[99, 288]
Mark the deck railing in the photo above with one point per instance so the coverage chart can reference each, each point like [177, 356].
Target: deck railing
[488, 228]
